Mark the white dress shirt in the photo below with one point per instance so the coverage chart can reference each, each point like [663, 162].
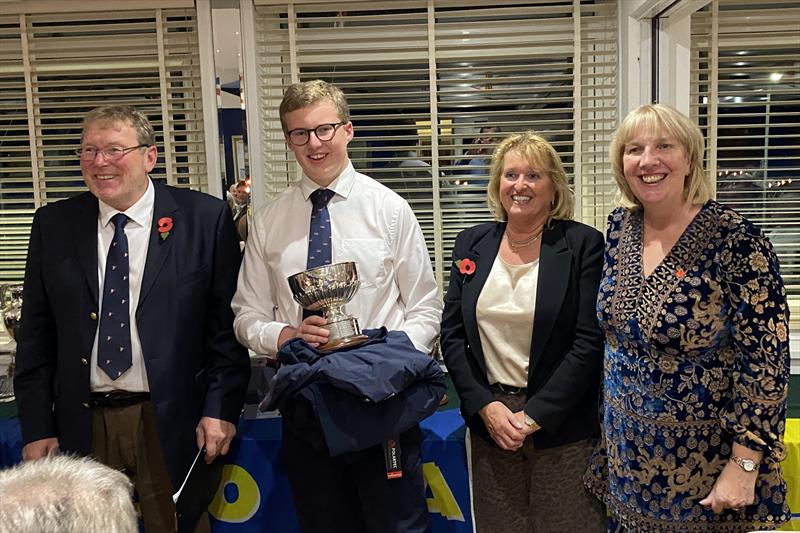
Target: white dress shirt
[371, 225]
[138, 232]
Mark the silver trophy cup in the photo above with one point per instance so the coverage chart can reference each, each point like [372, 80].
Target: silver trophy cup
[329, 288]
[11, 311]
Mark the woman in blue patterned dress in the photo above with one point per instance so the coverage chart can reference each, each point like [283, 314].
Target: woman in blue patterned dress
[697, 347]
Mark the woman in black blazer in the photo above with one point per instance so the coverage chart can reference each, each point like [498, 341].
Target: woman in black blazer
[521, 342]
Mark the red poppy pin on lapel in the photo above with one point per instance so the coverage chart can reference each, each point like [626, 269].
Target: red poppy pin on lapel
[164, 227]
[466, 266]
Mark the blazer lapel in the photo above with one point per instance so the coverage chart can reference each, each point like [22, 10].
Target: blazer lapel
[85, 238]
[483, 253]
[158, 249]
[554, 274]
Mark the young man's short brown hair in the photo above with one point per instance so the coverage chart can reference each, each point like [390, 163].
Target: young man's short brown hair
[304, 94]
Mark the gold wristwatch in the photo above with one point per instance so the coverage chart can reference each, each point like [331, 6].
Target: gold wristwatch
[531, 423]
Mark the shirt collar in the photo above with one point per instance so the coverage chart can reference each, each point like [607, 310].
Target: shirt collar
[141, 212]
[342, 185]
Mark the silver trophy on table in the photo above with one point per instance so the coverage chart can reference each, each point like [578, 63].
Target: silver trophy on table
[11, 311]
[329, 288]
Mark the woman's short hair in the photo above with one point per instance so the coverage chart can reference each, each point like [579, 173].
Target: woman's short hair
[122, 114]
[661, 118]
[539, 154]
[304, 94]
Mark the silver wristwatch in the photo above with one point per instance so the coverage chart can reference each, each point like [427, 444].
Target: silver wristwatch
[748, 465]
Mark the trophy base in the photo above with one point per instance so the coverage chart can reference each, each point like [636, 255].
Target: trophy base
[344, 334]
[346, 342]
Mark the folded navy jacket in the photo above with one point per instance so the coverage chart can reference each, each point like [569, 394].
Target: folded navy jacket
[355, 398]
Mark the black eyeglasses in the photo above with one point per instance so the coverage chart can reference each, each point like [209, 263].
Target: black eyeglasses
[324, 132]
[112, 153]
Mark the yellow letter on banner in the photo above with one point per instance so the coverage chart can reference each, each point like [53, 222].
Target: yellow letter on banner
[443, 501]
[247, 501]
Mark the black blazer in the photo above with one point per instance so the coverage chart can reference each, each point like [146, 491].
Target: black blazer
[566, 355]
[194, 365]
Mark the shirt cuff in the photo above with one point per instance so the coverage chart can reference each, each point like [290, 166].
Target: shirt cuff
[269, 335]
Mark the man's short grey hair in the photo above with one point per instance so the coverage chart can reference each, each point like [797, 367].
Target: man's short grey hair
[65, 494]
[122, 114]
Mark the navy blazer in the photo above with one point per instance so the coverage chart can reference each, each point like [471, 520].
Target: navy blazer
[566, 353]
[194, 365]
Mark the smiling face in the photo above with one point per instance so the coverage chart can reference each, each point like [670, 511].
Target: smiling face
[322, 161]
[240, 194]
[655, 168]
[118, 183]
[525, 192]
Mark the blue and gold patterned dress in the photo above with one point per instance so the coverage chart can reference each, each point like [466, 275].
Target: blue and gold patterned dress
[696, 357]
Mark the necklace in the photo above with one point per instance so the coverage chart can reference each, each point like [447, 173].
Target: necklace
[519, 245]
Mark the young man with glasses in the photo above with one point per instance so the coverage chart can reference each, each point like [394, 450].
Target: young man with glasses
[127, 350]
[359, 220]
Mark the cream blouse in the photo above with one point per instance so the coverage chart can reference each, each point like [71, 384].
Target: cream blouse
[505, 321]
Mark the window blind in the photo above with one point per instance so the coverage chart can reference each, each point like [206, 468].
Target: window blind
[55, 66]
[423, 79]
[745, 94]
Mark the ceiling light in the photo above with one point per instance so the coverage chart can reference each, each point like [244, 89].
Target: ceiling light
[776, 76]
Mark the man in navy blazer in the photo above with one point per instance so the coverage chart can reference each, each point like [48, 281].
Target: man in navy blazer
[179, 378]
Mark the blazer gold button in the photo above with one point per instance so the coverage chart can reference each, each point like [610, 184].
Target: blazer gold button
[85, 404]
[93, 315]
[84, 361]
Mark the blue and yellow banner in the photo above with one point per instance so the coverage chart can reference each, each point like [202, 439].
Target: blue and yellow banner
[254, 495]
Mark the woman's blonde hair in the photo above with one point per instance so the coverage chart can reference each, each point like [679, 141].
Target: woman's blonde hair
[653, 118]
[539, 154]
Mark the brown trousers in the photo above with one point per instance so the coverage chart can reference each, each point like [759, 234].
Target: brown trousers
[532, 490]
[126, 438]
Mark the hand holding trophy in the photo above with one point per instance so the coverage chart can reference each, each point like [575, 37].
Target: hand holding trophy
[329, 288]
